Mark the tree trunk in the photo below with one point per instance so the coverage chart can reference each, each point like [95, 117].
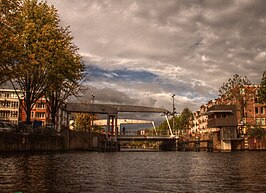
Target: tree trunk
[28, 113]
[28, 109]
[53, 115]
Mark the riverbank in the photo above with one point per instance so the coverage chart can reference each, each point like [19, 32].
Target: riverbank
[10, 141]
[205, 141]
[67, 140]
[73, 140]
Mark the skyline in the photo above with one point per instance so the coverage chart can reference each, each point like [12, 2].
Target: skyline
[142, 52]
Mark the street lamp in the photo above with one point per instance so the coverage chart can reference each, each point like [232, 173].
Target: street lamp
[173, 96]
[93, 96]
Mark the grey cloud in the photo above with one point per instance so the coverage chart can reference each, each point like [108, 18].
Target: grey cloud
[191, 46]
[105, 95]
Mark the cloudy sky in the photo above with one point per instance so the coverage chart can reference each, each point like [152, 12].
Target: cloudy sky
[141, 52]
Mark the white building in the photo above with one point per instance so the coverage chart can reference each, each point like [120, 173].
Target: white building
[200, 120]
[9, 105]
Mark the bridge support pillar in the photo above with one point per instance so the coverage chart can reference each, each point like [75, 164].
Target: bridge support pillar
[168, 145]
[112, 129]
[108, 127]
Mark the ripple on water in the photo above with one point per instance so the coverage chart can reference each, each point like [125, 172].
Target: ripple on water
[134, 172]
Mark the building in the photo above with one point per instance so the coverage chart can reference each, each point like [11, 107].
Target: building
[200, 120]
[224, 118]
[11, 109]
[39, 113]
[250, 120]
[10, 105]
[249, 112]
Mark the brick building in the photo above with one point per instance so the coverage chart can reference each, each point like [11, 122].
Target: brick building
[11, 109]
[250, 113]
[39, 112]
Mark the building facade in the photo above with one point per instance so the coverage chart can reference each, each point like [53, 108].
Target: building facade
[200, 120]
[11, 109]
[250, 114]
[10, 105]
[39, 113]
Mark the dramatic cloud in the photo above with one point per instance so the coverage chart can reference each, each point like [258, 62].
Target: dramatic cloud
[141, 52]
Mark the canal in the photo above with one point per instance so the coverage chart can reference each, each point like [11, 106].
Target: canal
[120, 172]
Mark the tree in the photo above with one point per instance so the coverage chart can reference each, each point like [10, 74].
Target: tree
[163, 128]
[262, 89]
[234, 92]
[186, 119]
[182, 122]
[257, 132]
[44, 55]
[83, 122]
[68, 79]
[8, 35]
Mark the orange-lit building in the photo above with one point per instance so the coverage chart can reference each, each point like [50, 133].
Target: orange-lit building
[38, 113]
[250, 113]
[11, 109]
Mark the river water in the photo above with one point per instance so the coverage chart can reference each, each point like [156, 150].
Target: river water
[125, 172]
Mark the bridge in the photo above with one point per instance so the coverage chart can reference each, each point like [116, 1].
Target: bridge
[112, 121]
[144, 138]
[111, 109]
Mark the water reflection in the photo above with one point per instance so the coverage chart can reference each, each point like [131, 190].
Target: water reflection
[134, 172]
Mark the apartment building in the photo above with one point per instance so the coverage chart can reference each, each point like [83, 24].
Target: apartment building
[9, 105]
[200, 120]
[11, 109]
[249, 112]
[39, 113]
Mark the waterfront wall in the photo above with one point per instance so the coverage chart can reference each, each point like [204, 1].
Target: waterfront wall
[84, 140]
[200, 142]
[73, 140]
[67, 140]
[251, 143]
[246, 142]
[10, 141]
[256, 143]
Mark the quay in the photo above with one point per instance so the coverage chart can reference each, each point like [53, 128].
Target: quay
[225, 139]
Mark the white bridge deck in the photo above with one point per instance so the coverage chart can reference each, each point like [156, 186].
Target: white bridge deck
[144, 138]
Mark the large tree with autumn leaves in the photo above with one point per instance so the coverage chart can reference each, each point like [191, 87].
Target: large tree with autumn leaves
[39, 57]
[262, 89]
[234, 92]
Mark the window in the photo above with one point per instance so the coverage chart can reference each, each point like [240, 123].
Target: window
[13, 95]
[5, 114]
[257, 110]
[14, 104]
[262, 121]
[6, 95]
[244, 120]
[13, 113]
[242, 91]
[262, 110]
[40, 105]
[40, 115]
[211, 116]
[32, 114]
[257, 121]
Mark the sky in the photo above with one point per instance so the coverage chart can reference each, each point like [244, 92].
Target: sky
[141, 52]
